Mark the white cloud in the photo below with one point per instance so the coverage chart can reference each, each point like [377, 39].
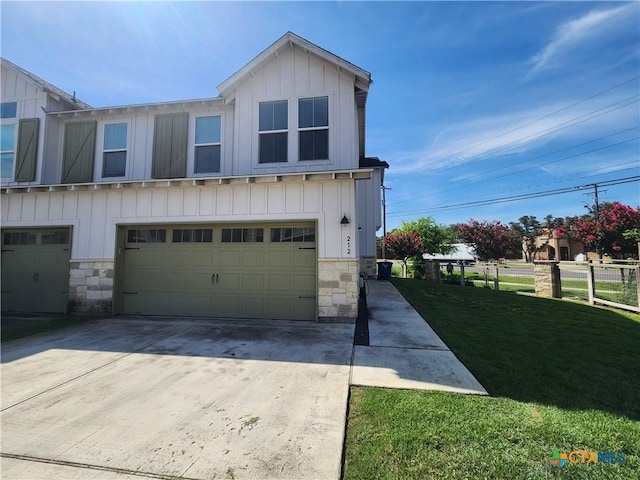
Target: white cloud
[573, 32]
[516, 132]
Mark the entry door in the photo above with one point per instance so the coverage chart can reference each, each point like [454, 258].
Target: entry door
[35, 270]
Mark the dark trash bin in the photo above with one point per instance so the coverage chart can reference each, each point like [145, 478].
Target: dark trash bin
[384, 270]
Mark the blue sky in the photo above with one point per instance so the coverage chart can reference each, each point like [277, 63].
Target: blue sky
[470, 101]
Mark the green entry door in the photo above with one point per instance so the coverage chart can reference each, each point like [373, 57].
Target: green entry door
[35, 270]
[236, 271]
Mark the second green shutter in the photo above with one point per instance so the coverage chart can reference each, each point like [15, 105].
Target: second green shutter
[170, 146]
[27, 154]
[79, 152]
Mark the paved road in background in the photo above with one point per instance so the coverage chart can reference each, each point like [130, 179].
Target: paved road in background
[567, 271]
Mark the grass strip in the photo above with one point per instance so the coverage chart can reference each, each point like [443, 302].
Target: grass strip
[562, 375]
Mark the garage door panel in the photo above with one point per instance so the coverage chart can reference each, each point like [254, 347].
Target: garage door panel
[279, 282]
[279, 259]
[304, 258]
[253, 307]
[303, 284]
[146, 304]
[242, 277]
[35, 272]
[253, 282]
[53, 258]
[230, 258]
[252, 259]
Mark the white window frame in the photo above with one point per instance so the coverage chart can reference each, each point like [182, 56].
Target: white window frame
[268, 132]
[100, 151]
[191, 157]
[310, 129]
[5, 123]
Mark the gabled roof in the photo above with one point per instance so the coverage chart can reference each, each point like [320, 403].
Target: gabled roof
[52, 90]
[289, 39]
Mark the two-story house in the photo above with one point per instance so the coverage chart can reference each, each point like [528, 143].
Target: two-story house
[256, 203]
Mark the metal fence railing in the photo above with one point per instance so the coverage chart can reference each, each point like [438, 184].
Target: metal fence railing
[614, 284]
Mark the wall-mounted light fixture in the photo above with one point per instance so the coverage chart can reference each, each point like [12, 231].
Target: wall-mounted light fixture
[344, 221]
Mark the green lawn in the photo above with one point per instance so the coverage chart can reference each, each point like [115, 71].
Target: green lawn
[562, 376]
[18, 326]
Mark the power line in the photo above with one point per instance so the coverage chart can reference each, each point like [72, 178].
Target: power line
[527, 196]
[562, 126]
[545, 116]
[448, 189]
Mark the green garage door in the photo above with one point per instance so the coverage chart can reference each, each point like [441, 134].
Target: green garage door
[237, 271]
[35, 270]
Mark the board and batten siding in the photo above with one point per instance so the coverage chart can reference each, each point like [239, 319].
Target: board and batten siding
[294, 74]
[95, 214]
[30, 104]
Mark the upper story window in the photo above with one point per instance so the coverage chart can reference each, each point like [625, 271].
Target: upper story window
[8, 110]
[313, 125]
[114, 156]
[7, 150]
[8, 113]
[207, 145]
[273, 123]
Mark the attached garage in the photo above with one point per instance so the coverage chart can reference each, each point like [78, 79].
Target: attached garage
[221, 270]
[35, 270]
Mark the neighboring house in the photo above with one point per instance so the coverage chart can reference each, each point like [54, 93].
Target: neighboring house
[257, 203]
[550, 247]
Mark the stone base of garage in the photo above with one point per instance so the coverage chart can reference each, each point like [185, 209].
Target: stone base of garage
[337, 290]
[91, 286]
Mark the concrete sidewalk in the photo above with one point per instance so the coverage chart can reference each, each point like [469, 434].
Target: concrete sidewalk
[404, 351]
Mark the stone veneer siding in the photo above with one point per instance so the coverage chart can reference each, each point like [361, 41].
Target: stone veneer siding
[91, 286]
[369, 266]
[337, 290]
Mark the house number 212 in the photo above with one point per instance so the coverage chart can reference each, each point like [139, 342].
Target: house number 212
[348, 244]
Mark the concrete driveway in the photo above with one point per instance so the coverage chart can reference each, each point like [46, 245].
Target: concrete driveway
[197, 399]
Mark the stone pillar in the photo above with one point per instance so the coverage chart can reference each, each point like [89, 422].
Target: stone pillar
[432, 271]
[91, 286]
[547, 279]
[338, 290]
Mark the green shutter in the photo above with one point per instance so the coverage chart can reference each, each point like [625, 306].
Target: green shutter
[79, 152]
[27, 155]
[170, 146]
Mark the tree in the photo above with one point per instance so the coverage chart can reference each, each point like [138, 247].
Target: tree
[605, 232]
[403, 246]
[525, 231]
[490, 239]
[435, 238]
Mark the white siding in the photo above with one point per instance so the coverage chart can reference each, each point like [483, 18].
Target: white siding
[30, 103]
[96, 213]
[369, 213]
[291, 75]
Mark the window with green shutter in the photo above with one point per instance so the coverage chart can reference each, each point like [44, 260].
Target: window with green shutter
[170, 146]
[79, 152]
[27, 155]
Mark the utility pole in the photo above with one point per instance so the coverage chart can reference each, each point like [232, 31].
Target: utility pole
[384, 219]
[596, 212]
